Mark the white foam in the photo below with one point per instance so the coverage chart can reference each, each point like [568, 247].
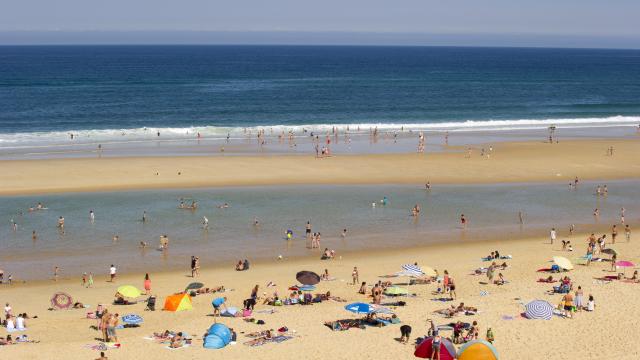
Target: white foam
[34, 139]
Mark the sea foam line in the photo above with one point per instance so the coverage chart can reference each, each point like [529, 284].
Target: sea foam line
[150, 133]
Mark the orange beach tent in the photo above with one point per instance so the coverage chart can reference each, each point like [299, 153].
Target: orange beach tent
[177, 302]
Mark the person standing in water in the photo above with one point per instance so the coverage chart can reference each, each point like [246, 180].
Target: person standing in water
[92, 216]
[463, 221]
[205, 223]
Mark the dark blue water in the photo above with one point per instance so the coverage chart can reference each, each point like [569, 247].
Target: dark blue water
[72, 88]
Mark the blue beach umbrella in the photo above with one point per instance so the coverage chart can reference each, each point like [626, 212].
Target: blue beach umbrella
[132, 319]
[359, 308]
[539, 309]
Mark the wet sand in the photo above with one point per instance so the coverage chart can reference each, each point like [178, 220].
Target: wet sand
[508, 162]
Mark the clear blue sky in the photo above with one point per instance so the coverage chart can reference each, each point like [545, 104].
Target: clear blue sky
[582, 18]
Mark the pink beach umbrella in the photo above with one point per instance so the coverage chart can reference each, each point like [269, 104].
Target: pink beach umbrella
[624, 264]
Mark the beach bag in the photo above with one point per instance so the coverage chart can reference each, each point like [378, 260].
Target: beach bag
[246, 312]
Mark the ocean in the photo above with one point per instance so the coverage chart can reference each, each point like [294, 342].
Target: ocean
[111, 93]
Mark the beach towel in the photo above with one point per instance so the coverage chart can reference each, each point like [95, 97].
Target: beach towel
[174, 348]
[101, 346]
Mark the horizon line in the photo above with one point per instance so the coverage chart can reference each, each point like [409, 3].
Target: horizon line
[310, 38]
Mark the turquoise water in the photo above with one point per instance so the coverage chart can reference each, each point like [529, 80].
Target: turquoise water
[491, 209]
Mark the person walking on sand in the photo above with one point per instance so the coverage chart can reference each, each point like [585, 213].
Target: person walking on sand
[147, 284]
[112, 273]
[56, 272]
[355, 276]
[111, 327]
[614, 234]
[627, 232]
[621, 215]
[90, 280]
[552, 235]
[452, 289]
[193, 266]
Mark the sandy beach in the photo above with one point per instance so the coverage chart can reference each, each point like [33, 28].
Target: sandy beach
[508, 162]
[66, 331]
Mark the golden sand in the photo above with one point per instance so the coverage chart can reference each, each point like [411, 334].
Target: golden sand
[509, 162]
[63, 334]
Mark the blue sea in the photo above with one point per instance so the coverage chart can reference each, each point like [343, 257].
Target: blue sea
[101, 92]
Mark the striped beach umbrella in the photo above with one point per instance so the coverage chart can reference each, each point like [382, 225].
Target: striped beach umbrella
[132, 319]
[539, 309]
[412, 270]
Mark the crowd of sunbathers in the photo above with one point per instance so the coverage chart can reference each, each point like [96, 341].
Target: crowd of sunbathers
[174, 339]
[455, 310]
[298, 297]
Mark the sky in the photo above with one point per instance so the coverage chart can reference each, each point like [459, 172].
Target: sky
[599, 21]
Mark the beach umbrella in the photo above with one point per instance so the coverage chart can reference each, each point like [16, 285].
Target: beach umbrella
[132, 319]
[360, 308]
[429, 271]
[624, 264]
[396, 291]
[307, 277]
[381, 309]
[61, 300]
[447, 350]
[611, 252]
[563, 262]
[129, 291]
[539, 309]
[194, 286]
[412, 270]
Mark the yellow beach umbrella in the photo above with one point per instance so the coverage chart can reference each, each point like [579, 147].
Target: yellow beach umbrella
[429, 271]
[129, 291]
[563, 262]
